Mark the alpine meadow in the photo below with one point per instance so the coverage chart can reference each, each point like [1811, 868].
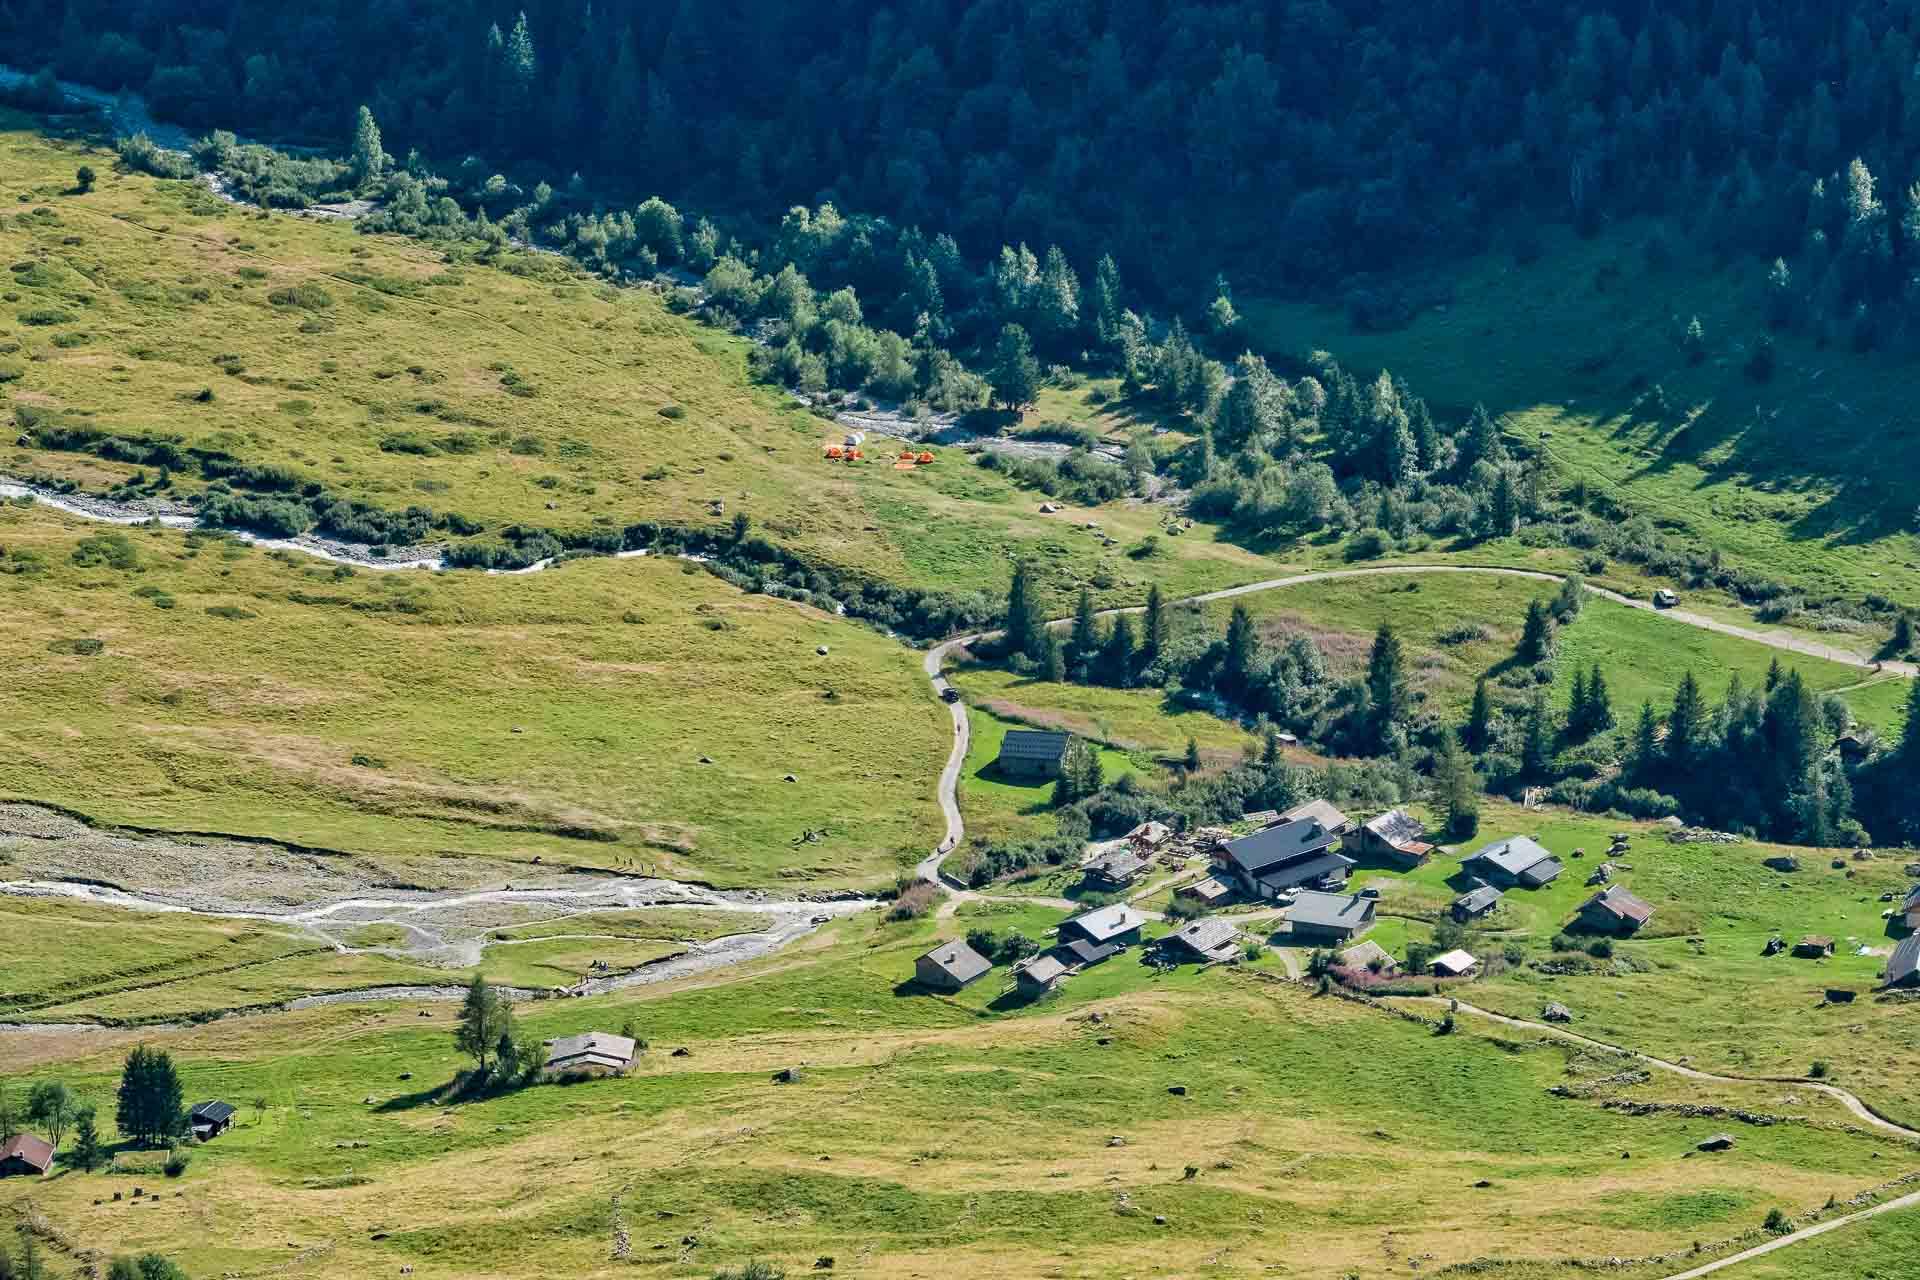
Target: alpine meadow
[1068, 638]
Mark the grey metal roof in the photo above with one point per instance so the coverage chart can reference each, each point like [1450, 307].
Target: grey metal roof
[1042, 969]
[1397, 827]
[1298, 838]
[1207, 934]
[1512, 855]
[1621, 904]
[1291, 875]
[1455, 962]
[1034, 744]
[591, 1044]
[1541, 872]
[1330, 910]
[1080, 951]
[1479, 899]
[1104, 923]
[1121, 864]
[214, 1112]
[1322, 812]
[958, 961]
[1904, 964]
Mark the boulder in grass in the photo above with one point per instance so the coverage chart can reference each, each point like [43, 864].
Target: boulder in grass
[1718, 1142]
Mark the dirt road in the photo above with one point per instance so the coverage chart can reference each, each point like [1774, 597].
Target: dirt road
[936, 659]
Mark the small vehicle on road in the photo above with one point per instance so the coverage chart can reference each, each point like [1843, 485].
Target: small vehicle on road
[949, 694]
[1665, 599]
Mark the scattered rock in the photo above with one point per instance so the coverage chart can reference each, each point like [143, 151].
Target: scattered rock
[788, 1075]
[789, 778]
[1483, 1183]
[1784, 862]
[1177, 1090]
[1557, 1013]
[682, 1052]
[1116, 1141]
[1718, 1142]
[1104, 1040]
[1159, 1219]
[822, 651]
[406, 1075]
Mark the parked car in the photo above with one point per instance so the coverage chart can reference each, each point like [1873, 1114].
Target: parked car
[1665, 599]
[950, 694]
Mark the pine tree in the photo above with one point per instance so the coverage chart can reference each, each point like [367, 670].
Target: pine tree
[1774, 674]
[1566, 605]
[1192, 760]
[1536, 637]
[1481, 441]
[1236, 672]
[1055, 659]
[1153, 629]
[1083, 641]
[1909, 749]
[483, 1018]
[1458, 789]
[1479, 730]
[1686, 724]
[368, 161]
[1270, 748]
[1536, 749]
[88, 1152]
[1024, 632]
[1600, 717]
[1386, 684]
[1015, 375]
[1116, 655]
[1577, 706]
[1645, 753]
[1901, 643]
[1503, 509]
[1106, 304]
[150, 1106]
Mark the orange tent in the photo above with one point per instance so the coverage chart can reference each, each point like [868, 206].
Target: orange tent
[834, 451]
[924, 458]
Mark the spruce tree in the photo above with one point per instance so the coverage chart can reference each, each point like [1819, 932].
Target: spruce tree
[1055, 661]
[88, 1153]
[1025, 632]
[1536, 636]
[1479, 730]
[1458, 789]
[1192, 760]
[1686, 724]
[1153, 629]
[1116, 655]
[1242, 653]
[1481, 441]
[1503, 510]
[1083, 641]
[1774, 674]
[1386, 684]
[1577, 706]
[1270, 748]
[1015, 375]
[150, 1106]
[1536, 749]
[1645, 753]
[1600, 717]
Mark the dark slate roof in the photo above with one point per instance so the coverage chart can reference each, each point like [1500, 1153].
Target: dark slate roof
[1330, 910]
[1042, 969]
[1512, 855]
[1542, 872]
[1479, 899]
[1034, 744]
[958, 961]
[1620, 904]
[1291, 875]
[1103, 923]
[213, 1112]
[1206, 935]
[1121, 864]
[1080, 951]
[1299, 838]
[1904, 963]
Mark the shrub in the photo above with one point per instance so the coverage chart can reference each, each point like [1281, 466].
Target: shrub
[308, 296]
[755, 1270]
[1777, 1222]
[672, 411]
[81, 646]
[231, 612]
[177, 1162]
[913, 901]
[1601, 948]
[528, 446]
[1819, 1069]
[46, 316]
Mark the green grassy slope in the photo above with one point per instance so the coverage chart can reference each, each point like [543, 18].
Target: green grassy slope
[562, 713]
[1806, 476]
